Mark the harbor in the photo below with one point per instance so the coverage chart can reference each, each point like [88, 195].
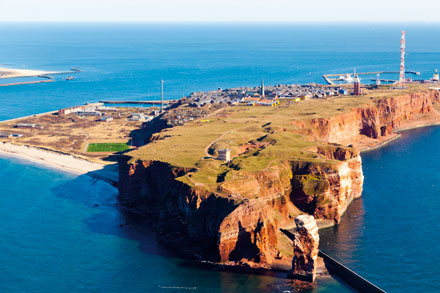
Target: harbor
[44, 76]
[333, 79]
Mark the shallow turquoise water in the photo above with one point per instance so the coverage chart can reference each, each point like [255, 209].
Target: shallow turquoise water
[54, 238]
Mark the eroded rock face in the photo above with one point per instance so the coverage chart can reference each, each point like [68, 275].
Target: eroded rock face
[239, 222]
[376, 120]
[325, 191]
[305, 249]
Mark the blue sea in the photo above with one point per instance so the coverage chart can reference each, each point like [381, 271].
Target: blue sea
[62, 232]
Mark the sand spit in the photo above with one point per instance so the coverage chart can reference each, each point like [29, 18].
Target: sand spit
[11, 72]
[65, 162]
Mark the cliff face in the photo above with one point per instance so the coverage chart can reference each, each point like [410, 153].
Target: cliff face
[376, 120]
[326, 191]
[239, 221]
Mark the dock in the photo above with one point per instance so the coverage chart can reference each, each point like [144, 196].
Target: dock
[27, 82]
[328, 77]
[156, 102]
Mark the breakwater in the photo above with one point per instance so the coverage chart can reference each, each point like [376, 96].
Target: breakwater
[157, 102]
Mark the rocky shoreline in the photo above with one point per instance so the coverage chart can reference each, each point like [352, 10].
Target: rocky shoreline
[239, 224]
[230, 231]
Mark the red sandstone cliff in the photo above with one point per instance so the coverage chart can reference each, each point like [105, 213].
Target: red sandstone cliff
[379, 119]
[240, 222]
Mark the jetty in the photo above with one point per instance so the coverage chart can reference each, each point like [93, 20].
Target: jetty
[154, 102]
[356, 281]
[27, 82]
[330, 78]
[20, 73]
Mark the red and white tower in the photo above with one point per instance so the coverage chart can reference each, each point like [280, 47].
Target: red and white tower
[402, 58]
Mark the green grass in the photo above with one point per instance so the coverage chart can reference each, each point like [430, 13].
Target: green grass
[107, 147]
[285, 128]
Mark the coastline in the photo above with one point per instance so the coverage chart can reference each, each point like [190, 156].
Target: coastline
[64, 162]
[397, 134]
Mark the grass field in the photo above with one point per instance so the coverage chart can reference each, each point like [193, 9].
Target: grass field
[284, 127]
[107, 147]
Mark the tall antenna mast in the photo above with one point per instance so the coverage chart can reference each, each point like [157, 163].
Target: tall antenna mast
[161, 96]
[262, 87]
[402, 58]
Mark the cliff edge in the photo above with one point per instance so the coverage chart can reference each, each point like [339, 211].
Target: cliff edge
[285, 161]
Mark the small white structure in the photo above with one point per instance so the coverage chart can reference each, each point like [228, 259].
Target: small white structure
[27, 125]
[105, 108]
[106, 118]
[86, 113]
[70, 110]
[224, 155]
[137, 117]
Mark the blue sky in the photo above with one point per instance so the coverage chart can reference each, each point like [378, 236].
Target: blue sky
[220, 10]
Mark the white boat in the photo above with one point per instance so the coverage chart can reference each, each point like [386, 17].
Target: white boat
[348, 78]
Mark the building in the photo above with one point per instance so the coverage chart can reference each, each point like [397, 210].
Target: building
[224, 155]
[305, 97]
[357, 87]
[70, 110]
[105, 108]
[343, 91]
[106, 118]
[89, 113]
[267, 103]
[137, 117]
[27, 125]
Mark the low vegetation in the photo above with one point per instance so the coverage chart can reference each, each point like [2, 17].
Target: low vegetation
[259, 138]
[107, 147]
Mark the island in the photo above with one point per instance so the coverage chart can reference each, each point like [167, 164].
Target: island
[226, 176]
[223, 187]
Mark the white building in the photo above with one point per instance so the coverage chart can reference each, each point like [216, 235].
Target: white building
[106, 118]
[137, 117]
[224, 155]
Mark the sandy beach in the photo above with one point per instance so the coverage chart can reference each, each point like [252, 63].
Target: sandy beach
[61, 161]
[12, 72]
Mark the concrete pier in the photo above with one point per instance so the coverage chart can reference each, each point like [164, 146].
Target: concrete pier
[166, 102]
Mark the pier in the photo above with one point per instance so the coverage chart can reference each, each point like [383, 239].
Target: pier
[27, 82]
[156, 102]
[328, 77]
[349, 276]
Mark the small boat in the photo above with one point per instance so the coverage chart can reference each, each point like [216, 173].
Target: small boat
[346, 78]
[70, 78]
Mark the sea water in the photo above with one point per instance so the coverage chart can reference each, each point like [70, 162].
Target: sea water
[390, 236]
[62, 232]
